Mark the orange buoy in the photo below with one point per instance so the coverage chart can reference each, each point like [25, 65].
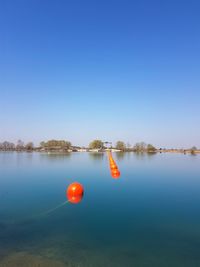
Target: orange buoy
[115, 174]
[75, 192]
[111, 159]
[113, 166]
[115, 171]
[112, 163]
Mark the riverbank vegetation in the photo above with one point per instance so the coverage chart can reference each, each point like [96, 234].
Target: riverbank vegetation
[96, 145]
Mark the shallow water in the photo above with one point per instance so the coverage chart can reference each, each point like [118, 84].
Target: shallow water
[150, 216]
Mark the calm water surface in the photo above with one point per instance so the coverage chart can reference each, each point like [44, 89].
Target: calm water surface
[150, 216]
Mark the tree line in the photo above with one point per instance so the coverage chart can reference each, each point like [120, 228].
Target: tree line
[120, 145]
[56, 144]
[63, 145]
[49, 145]
[19, 146]
[139, 147]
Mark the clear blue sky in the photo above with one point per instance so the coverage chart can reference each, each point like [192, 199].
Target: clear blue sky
[115, 70]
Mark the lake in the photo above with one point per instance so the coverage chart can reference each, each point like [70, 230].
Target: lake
[148, 217]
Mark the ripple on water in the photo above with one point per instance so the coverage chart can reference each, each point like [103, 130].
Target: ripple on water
[24, 259]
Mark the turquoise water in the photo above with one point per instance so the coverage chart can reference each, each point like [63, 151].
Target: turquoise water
[150, 216]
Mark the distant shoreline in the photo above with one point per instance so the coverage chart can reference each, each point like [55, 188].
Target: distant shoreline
[159, 151]
[62, 146]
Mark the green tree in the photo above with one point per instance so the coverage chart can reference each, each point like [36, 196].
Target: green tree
[57, 143]
[29, 146]
[51, 143]
[150, 148]
[96, 144]
[66, 145]
[140, 147]
[193, 149]
[42, 144]
[120, 145]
